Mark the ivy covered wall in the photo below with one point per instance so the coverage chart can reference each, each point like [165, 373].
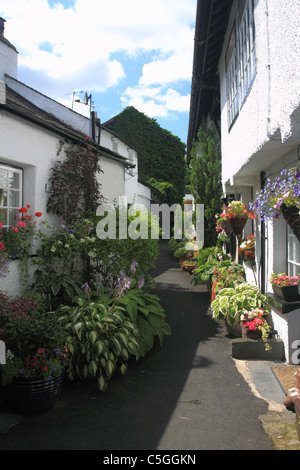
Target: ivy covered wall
[161, 155]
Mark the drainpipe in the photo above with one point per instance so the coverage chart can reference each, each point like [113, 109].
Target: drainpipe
[262, 243]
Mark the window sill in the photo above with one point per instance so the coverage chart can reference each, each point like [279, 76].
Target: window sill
[281, 306]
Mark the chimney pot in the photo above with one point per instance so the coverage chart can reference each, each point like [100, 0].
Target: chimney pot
[2, 26]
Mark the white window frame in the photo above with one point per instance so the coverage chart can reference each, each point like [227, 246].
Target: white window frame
[10, 210]
[293, 253]
[240, 66]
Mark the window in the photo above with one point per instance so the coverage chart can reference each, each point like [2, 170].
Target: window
[293, 253]
[10, 194]
[240, 59]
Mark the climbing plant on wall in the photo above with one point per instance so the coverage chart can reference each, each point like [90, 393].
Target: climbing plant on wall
[205, 178]
[74, 186]
[161, 155]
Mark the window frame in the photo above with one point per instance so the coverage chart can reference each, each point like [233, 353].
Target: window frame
[9, 207]
[240, 59]
[292, 253]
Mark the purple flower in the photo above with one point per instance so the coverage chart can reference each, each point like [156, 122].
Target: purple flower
[141, 282]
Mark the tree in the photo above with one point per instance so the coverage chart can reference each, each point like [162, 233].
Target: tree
[206, 178]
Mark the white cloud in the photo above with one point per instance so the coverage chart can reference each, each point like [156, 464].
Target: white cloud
[82, 38]
[156, 101]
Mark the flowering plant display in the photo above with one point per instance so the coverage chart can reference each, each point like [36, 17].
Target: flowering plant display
[16, 241]
[35, 344]
[283, 279]
[228, 276]
[254, 320]
[233, 210]
[284, 190]
[248, 244]
[46, 364]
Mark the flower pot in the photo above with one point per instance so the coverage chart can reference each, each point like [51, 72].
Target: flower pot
[241, 252]
[292, 218]
[189, 268]
[33, 395]
[250, 254]
[250, 334]
[235, 330]
[287, 293]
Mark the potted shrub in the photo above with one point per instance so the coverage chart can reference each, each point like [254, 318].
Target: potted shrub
[229, 274]
[281, 198]
[247, 248]
[230, 304]
[32, 377]
[237, 214]
[255, 326]
[286, 287]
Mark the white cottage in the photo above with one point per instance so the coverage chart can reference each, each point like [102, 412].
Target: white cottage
[246, 77]
[31, 128]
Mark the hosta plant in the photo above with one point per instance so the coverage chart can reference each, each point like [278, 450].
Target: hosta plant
[100, 339]
[230, 303]
[148, 316]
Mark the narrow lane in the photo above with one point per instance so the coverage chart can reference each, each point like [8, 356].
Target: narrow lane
[185, 395]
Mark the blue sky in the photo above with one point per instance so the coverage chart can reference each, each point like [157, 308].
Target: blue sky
[135, 53]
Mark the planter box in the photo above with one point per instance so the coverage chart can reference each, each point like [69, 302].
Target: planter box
[247, 349]
[287, 293]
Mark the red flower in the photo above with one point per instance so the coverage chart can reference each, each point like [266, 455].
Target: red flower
[1, 246]
[27, 362]
[38, 214]
[23, 209]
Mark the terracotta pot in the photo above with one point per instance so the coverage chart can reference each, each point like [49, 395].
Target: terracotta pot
[241, 252]
[250, 254]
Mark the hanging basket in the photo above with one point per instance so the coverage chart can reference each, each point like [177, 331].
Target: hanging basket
[237, 224]
[292, 218]
[227, 227]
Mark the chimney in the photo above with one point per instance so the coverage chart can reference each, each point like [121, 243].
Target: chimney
[2, 26]
[8, 54]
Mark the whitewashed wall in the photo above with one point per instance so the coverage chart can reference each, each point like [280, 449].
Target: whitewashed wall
[274, 100]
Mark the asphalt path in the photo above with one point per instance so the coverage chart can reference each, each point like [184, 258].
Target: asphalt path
[186, 395]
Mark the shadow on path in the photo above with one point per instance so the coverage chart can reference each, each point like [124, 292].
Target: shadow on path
[186, 394]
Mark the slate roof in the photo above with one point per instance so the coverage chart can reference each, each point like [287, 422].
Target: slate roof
[19, 106]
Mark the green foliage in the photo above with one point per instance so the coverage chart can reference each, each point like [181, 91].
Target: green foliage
[206, 179]
[161, 154]
[148, 316]
[74, 188]
[208, 260]
[230, 303]
[100, 339]
[111, 256]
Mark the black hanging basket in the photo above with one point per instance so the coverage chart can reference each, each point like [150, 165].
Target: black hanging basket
[33, 395]
[237, 224]
[292, 218]
[227, 227]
